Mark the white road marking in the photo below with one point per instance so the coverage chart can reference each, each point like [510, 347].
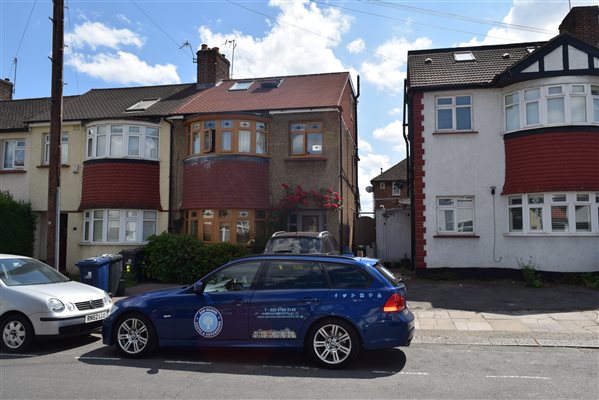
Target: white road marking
[187, 362]
[401, 373]
[98, 358]
[517, 377]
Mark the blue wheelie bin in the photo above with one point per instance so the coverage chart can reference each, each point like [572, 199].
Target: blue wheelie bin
[103, 272]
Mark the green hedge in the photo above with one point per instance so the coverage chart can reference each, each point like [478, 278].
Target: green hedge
[17, 226]
[184, 259]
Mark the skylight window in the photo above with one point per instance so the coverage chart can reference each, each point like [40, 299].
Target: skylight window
[270, 83]
[142, 105]
[242, 85]
[463, 56]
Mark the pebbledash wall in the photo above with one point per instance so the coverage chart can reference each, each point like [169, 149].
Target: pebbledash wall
[469, 164]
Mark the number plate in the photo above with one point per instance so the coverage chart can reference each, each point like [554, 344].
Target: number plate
[96, 317]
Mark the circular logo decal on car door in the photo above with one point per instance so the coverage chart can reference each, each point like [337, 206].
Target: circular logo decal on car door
[208, 322]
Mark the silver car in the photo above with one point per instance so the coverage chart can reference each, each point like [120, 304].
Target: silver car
[38, 301]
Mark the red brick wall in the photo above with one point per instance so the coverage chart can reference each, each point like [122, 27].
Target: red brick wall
[212, 66]
[552, 161]
[129, 184]
[225, 182]
[582, 22]
[419, 194]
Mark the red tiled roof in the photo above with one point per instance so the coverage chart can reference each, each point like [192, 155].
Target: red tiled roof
[294, 92]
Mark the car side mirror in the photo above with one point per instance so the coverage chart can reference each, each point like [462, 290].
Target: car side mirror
[198, 287]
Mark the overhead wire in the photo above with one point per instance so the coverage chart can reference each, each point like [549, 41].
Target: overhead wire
[23, 35]
[72, 47]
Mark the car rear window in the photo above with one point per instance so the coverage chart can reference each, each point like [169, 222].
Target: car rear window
[347, 277]
[389, 277]
[294, 245]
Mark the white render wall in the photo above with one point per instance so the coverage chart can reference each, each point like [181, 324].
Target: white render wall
[458, 164]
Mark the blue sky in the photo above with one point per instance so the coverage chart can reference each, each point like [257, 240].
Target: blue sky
[119, 43]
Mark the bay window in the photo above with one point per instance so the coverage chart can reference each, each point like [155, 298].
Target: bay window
[551, 105]
[122, 141]
[119, 226]
[560, 213]
[227, 136]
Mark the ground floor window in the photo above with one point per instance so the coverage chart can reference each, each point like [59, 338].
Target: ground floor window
[119, 226]
[226, 225]
[570, 213]
[455, 214]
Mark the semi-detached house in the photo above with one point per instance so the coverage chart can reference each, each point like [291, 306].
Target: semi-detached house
[504, 152]
[207, 158]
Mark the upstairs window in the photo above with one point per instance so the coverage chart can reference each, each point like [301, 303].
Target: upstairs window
[13, 154]
[306, 138]
[454, 113]
[64, 149]
[123, 141]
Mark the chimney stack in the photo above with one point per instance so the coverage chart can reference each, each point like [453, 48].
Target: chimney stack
[582, 22]
[213, 67]
[6, 87]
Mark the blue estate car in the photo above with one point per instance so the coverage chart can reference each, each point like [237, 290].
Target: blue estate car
[332, 306]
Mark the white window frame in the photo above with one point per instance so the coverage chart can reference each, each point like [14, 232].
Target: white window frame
[111, 134]
[144, 223]
[454, 107]
[569, 93]
[552, 201]
[454, 206]
[64, 148]
[19, 146]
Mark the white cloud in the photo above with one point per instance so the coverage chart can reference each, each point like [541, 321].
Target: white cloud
[392, 132]
[356, 46]
[396, 110]
[387, 72]
[301, 40]
[364, 145]
[96, 34]
[123, 18]
[123, 68]
[526, 13]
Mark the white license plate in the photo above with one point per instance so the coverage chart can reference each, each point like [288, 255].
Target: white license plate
[96, 317]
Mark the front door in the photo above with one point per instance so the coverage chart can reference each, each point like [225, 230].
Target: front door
[290, 294]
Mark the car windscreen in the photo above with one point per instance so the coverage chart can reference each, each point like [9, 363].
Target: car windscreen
[294, 245]
[25, 271]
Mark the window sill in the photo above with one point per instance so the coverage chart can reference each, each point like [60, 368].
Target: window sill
[12, 171]
[455, 132]
[552, 234]
[47, 166]
[306, 158]
[456, 236]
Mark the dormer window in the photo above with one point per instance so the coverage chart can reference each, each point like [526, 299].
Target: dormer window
[463, 56]
[241, 85]
[142, 105]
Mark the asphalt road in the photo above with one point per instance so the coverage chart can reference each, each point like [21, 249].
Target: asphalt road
[85, 369]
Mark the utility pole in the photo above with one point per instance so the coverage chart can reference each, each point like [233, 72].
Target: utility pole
[53, 232]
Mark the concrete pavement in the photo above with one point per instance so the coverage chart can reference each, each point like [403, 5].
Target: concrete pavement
[500, 312]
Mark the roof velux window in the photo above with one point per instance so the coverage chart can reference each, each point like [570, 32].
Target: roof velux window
[270, 83]
[463, 56]
[143, 105]
[241, 85]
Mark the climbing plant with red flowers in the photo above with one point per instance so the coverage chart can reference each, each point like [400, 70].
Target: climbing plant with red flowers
[296, 197]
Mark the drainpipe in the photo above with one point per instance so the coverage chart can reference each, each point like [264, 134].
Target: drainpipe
[408, 109]
[340, 175]
[170, 177]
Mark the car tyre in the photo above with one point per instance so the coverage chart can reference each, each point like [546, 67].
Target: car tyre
[134, 335]
[333, 343]
[17, 333]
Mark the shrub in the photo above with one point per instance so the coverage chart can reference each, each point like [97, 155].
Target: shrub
[184, 259]
[17, 227]
[529, 273]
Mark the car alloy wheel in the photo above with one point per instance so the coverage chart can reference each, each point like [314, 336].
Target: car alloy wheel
[17, 334]
[334, 343]
[135, 336]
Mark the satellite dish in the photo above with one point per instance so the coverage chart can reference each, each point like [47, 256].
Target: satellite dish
[369, 189]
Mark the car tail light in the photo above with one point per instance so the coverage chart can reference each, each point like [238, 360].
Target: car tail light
[395, 303]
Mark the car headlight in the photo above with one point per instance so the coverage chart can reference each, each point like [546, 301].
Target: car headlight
[107, 300]
[55, 305]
